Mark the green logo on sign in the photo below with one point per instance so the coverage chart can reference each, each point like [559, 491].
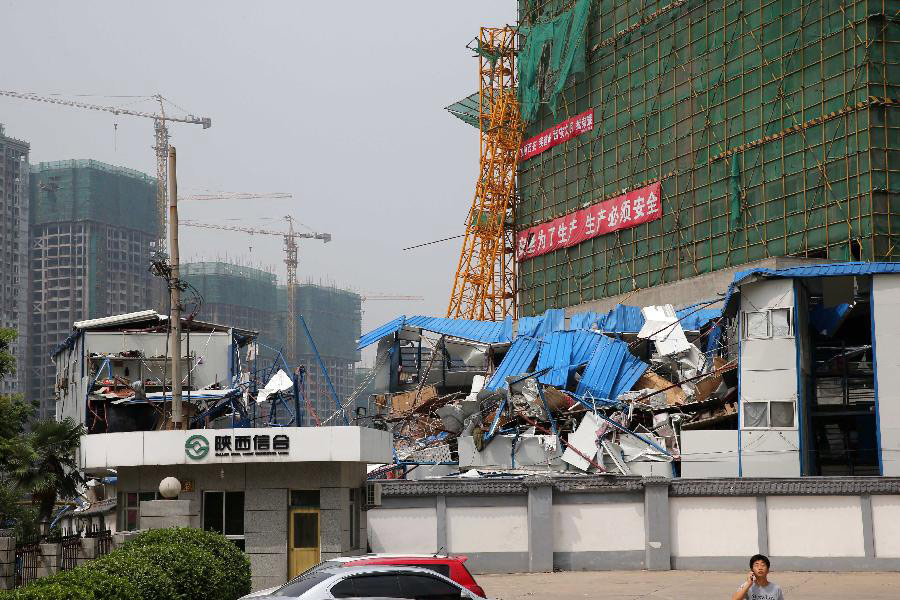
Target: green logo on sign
[196, 447]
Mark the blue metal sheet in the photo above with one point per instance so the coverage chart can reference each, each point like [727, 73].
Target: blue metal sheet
[828, 319]
[556, 353]
[376, 334]
[631, 370]
[693, 318]
[584, 345]
[488, 332]
[622, 319]
[611, 370]
[829, 270]
[518, 360]
[583, 320]
[528, 326]
[554, 320]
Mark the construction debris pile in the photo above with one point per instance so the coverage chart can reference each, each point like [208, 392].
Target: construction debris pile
[609, 394]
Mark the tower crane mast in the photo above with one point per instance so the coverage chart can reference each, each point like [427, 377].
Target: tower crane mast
[160, 143]
[485, 283]
[290, 260]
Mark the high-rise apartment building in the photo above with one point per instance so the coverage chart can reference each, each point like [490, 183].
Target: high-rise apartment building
[91, 229]
[14, 252]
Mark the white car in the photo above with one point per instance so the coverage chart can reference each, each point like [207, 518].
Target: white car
[375, 581]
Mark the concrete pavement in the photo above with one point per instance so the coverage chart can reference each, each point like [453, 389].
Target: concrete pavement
[685, 585]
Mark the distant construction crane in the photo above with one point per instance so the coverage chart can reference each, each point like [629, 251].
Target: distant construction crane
[235, 196]
[290, 260]
[160, 144]
[365, 296]
[485, 283]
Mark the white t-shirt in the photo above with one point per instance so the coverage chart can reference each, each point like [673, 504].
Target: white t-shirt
[771, 591]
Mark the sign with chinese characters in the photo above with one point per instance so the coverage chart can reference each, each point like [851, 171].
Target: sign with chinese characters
[559, 133]
[622, 212]
[260, 444]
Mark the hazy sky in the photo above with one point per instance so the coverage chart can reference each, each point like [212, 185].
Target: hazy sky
[339, 103]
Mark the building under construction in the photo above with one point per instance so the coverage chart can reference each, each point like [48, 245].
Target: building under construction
[771, 129]
[92, 225]
[249, 298]
[14, 253]
[334, 319]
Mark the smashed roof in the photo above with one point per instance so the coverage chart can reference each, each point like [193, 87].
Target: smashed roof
[143, 320]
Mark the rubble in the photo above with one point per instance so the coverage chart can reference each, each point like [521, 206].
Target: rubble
[552, 399]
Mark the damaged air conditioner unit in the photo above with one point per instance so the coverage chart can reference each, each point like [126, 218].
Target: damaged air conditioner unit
[373, 495]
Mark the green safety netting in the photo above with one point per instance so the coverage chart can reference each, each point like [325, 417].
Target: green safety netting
[466, 109]
[542, 79]
[734, 220]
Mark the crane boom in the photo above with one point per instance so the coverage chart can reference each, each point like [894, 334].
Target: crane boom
[290, 260]
[325, 237]
[160, 144]
[204, 121]
[235, 196]
[365, 297]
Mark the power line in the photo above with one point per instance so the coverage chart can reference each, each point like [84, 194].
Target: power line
[455, 237]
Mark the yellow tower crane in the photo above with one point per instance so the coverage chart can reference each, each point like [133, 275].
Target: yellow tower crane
[160, 144]
[290, 260]
[485, 283]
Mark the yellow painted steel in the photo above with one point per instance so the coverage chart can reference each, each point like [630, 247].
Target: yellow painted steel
[485, 283]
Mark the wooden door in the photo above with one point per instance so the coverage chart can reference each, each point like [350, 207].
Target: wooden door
[303, 544]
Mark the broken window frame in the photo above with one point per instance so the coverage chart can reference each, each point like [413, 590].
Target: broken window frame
[770, 326]
[769, 426]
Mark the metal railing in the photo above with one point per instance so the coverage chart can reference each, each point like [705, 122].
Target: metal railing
[103, 537]
[27, 557]
[69, 545]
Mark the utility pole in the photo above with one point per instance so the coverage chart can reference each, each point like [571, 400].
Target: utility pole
[174, 295]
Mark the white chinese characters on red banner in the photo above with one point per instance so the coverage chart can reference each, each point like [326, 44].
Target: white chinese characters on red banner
[558, 134]
[622, 212]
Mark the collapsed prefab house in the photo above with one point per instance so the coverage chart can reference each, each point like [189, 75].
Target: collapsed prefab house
[778, 377]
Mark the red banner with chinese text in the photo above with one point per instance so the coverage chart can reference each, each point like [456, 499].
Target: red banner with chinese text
[558, 134]
[622, 212]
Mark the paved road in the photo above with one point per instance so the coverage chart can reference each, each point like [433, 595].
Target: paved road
[686, 585]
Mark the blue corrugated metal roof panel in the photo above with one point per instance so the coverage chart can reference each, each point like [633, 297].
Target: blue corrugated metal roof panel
[517, 361]
[584, 345]
[829, 270]
[528, 326]
[693, 319]
[488, 332]
[622, 319]
[554, 319]
[611, 370]
[556, 352]
[378, 333]
[828, 319]
[631, 370]
[600, 375]
[583, 320]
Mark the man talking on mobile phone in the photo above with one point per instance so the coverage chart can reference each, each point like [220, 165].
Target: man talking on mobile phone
[758, 586]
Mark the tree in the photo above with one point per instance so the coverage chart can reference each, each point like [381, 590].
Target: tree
[40, 463]
[44, 466]
[7, 360]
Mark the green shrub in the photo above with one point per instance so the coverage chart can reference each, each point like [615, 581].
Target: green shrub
[195, 573]
[232, 563]
[162, 564]
[97, 585]
[150, 580]
[50, 591]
